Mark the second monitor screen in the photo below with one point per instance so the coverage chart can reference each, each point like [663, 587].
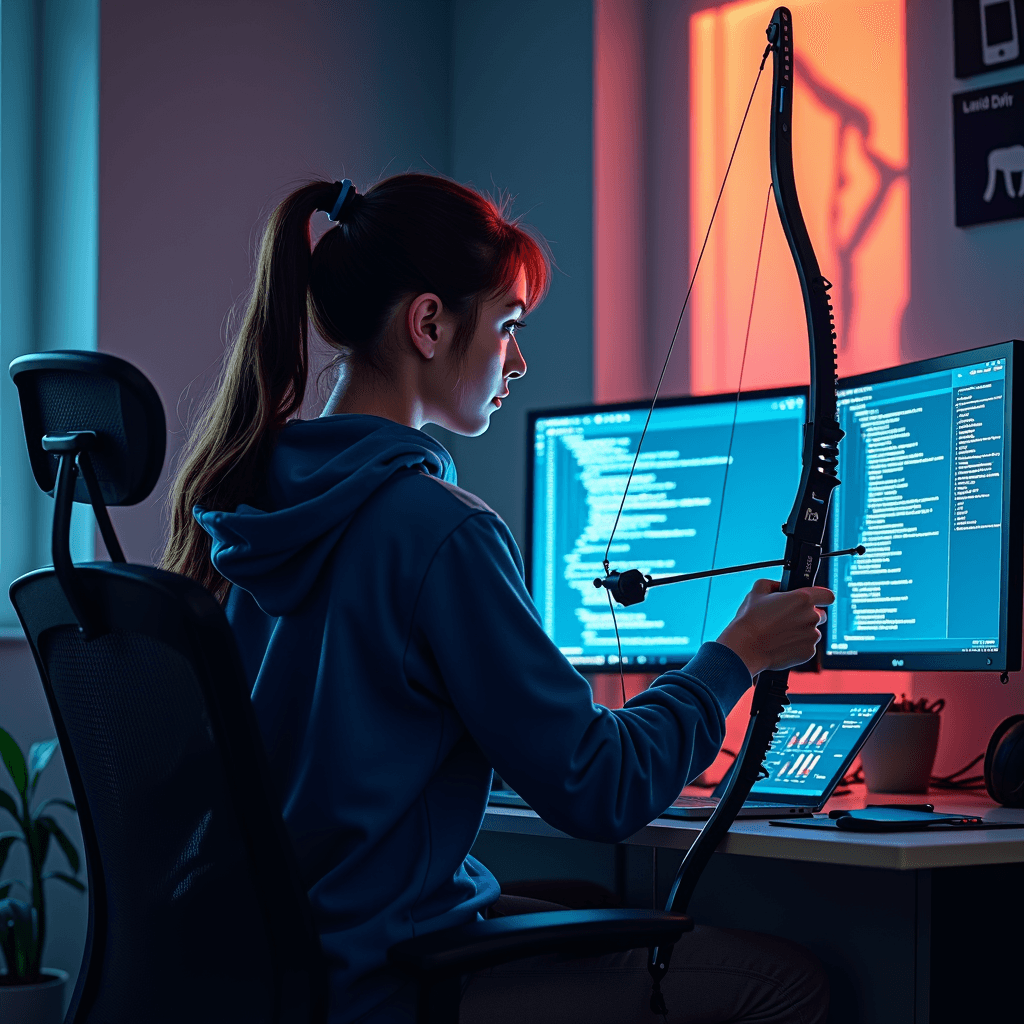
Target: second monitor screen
[580, 464]
[923, 466]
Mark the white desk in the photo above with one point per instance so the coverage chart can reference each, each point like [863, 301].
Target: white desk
[898, 851]
[913, 928]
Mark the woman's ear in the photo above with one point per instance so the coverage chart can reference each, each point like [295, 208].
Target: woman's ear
[426, 324]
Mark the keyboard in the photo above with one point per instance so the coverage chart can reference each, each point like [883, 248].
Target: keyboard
[507, 798]
[711, 801]
[695, 801]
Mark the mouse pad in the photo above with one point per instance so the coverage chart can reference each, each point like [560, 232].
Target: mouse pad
[941, 823]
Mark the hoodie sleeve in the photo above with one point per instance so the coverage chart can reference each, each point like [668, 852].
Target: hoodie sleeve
[592, 772]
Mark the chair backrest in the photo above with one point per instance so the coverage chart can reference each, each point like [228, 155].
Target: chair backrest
[68, 391]
[196, 908]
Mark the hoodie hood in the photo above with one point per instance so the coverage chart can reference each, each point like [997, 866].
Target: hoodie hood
[321, 473]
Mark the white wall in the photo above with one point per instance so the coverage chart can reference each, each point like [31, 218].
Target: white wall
[49, 106]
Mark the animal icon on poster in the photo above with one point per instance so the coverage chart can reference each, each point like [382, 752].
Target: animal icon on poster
[1008, 161]
[988, 137]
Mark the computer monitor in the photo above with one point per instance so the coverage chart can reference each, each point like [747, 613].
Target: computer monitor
[578, 462]
[928, 489]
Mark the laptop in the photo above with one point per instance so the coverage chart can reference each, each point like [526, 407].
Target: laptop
[819, 736]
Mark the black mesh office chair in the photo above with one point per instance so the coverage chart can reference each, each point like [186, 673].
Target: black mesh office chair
[196, 911]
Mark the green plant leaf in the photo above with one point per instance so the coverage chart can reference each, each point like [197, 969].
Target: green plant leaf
[61, 877]
[5, 848]
[60, 801]
[39, 755]
[8, 804]
[7, 840]
[15, 761]
[62, 841]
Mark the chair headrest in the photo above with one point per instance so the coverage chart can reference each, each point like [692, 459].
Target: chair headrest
[68, 391]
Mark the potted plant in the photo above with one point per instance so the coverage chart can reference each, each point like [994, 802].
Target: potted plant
[898, 756]
[29, 992]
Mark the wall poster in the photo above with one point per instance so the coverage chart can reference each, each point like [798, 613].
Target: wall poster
[988, 142]
[987, 35]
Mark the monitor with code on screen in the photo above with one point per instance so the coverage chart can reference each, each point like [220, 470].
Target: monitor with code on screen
[928, 489]
[578, 463]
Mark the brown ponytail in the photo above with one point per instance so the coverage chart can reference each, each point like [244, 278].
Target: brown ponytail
[262, 384]
[409, 234]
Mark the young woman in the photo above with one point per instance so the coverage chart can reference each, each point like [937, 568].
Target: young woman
[394, 652]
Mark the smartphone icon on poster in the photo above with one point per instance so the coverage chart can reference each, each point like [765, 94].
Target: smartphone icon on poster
[998, 31]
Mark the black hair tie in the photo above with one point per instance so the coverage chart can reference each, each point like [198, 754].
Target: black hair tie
[343, 205]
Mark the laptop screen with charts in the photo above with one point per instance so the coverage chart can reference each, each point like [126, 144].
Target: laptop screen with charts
[819, 736]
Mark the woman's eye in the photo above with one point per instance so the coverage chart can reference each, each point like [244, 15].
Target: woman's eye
[514, 325]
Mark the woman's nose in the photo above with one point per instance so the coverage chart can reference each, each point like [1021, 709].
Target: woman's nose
[515, 364]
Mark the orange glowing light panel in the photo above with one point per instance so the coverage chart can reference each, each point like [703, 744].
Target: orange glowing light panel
[850, 162]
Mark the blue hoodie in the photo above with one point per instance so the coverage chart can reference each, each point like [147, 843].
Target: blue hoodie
[395, 657]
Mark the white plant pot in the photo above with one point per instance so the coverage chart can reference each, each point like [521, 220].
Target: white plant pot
[42, 1003]
[899, 754]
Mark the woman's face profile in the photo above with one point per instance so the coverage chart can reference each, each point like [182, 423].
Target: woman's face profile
[491, 361]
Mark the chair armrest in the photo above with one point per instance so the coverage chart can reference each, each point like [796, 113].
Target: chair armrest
[481, 944]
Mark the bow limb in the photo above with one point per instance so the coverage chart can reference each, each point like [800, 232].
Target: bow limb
[805, 528]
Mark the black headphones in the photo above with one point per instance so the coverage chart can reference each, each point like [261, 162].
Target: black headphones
[1004, 763]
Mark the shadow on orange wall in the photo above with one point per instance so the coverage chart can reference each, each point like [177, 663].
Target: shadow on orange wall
[850, 161]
